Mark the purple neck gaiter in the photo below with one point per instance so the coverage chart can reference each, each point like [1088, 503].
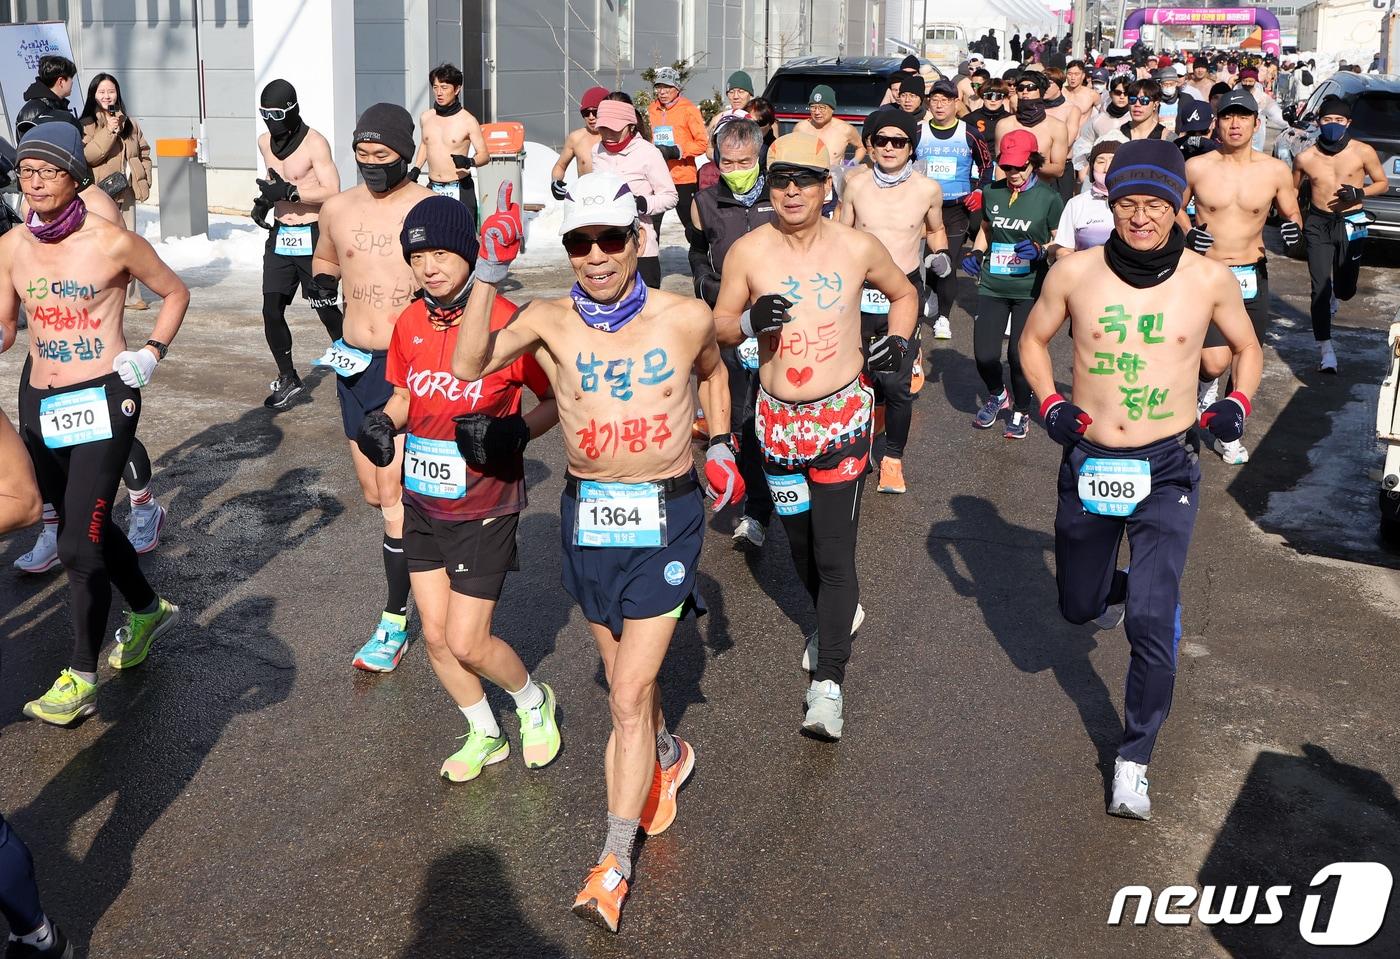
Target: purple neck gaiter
[62, 226]
[610, 317]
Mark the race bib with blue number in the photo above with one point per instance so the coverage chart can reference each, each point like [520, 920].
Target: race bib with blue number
[790, 493]
[293, 240]
[344, 359]
[71, 419]
[748, 353]
[1003, 261]
[873, 301]
[453, 189]
[434, 468]
[620, 515]
[664, 136]
[1114, 487]
[1358, 224]
[1248, 279]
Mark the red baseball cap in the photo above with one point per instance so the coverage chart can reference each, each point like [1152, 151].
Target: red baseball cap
[1017, 147]
[592, 97]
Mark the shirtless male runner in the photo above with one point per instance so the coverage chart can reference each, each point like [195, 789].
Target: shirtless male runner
[579, 144]
[1200, 80]
[1078, 91]
[1051, 134]
[1139, 309]
[632, 521]
[301, 175]
[359, 244]
[80, 398]
[903, 210]
[836, 134]
[796, 285]
[448, 132]
[1336, 167]
[1234, 187]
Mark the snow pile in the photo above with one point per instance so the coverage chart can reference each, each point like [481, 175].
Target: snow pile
[232, 243]
[542, 246]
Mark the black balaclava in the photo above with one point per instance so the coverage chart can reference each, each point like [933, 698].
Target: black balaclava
[286, 134]
[452, 108]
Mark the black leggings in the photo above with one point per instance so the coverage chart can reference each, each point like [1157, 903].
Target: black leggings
[649, 269]
[988, 329]
[895, 389]
[279, 334]
[81, 482]
[946, 287]
[19, 894]
[685, 193]
[1334, 264]
[743, 398]
[138, 466]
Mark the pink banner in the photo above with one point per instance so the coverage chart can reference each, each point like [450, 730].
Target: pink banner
[1194, 16]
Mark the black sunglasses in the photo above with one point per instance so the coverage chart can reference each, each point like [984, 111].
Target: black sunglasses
[586, 113]
[1027, 88]
[803, 179]
[994, 96]
[880, 140]
[1006, 168]
[610, 242]
[1140, 101]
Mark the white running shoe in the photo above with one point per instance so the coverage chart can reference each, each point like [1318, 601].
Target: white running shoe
[809, 654]
[824, 704]
[1233, 452]
[44, 556]
[1206, 394]
[749, 534]
[942, 329]
[1130, 791]
[1328, 361]
[144, 529]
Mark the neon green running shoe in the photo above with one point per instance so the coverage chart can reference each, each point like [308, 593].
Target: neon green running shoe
[69, 699]
[478, 752]
[134, 640]
[539, 732]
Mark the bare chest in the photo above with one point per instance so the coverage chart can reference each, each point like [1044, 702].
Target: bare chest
[448, 132]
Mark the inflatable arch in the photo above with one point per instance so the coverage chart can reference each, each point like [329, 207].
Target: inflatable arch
[1203, 16]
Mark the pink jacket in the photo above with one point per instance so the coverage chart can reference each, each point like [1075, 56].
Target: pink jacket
[644, 168]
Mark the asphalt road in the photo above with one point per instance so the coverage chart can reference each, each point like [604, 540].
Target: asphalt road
[247, 793]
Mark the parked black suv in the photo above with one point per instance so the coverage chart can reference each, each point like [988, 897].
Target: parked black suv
[858, 82]
[1375, 119]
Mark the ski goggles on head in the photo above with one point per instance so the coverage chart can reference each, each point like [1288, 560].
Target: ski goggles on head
[276, 113]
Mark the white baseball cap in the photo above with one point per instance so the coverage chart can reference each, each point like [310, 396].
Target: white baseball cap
[599, 199]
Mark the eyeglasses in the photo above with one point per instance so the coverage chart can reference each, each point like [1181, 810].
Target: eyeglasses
[611, 242]
[1141, 101]
[880, 140]
[1155, 209]
[275, 113]
[27, 173]
[588, 114]
[802, 178]
[994, 96]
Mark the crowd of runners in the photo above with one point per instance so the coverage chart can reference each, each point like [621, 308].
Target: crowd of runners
[819, 257]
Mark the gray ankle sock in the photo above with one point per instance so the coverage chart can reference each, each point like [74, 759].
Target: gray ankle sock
[622, 833]
[668, 750]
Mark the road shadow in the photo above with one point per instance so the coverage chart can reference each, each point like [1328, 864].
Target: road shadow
[1009, 577]
[165, 719]
[1294, 816]
[467, 907]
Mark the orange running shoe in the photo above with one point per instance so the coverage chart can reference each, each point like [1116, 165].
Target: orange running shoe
[891, 475]
[700, 430]
[600, 899]
[916, 382]
[660, 809]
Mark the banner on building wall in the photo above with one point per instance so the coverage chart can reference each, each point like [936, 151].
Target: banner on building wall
[21, 47]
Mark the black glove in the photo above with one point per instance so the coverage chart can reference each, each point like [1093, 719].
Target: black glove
[275, 189]
[1225, 419]
[768, 313]
[324, 290]
[1198, 238]
[259, 214]
[376, 439]
[415, 173]
[887, 353]
[463, 163]
[1064, 422]
[670, 153]
[1348, 195]
[559, 189]
[1291, 233]
[488, 440]
[641, 204]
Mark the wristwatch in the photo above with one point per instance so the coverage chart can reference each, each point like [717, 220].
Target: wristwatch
[161, 348]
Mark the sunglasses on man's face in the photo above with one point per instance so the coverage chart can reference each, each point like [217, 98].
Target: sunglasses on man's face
[588, 114]
[880, 140]
[611, 242]
[802, 178]
[275, 113]
[1140, 101]
[1027, 88]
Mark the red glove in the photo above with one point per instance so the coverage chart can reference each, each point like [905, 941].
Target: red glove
[973, 201]
[501, 234]
[723, 482]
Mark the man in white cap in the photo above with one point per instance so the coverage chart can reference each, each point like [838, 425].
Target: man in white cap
[619, 358]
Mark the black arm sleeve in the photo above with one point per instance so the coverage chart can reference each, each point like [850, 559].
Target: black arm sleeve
[982, 157]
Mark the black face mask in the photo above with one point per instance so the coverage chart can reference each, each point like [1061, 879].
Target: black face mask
[1058, 101]
[1142, 269]
[383, 177]
[1030, 112]
[446, 111]
[1115, 111]
[286, 134]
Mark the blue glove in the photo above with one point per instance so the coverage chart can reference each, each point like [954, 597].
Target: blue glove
[1028, 251]
[1225, 419]
[1064, 422]
[972, 264]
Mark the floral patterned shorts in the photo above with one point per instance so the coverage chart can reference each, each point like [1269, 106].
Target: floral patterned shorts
[798, 435]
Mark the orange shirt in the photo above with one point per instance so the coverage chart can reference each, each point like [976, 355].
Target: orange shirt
[679, 125]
